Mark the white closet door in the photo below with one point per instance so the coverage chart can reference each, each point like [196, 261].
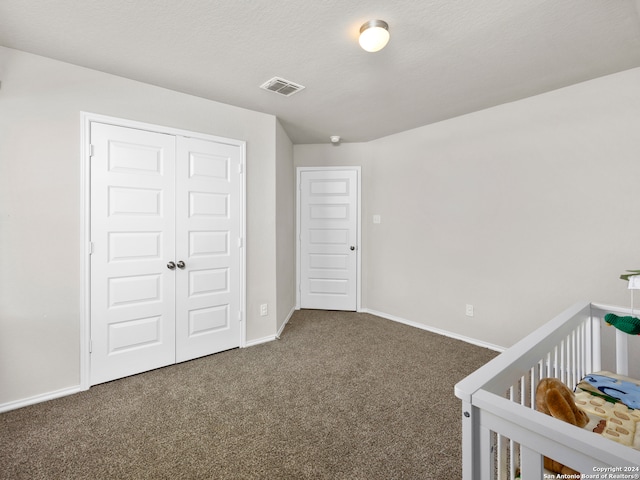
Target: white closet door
[207, 243]
[133, 239]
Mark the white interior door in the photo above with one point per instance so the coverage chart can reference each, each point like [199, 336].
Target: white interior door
[166, 266]
[133, 238]
[207, 243]
[328, 239]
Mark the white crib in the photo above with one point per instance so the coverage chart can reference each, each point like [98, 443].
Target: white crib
[501, 431]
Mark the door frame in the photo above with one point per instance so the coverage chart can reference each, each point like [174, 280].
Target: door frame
[86, 118]
[358, 171]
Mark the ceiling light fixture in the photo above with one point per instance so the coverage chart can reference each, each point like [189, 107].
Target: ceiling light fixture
[374, 35]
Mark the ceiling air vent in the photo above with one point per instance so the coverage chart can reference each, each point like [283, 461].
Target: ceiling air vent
[281, 86]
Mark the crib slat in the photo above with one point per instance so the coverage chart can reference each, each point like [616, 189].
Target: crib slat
[581, 346]
[532, 463]
[574, 361]
[486, 470]
[505, 459]
[583, 342]
[622, 353]
[563, 371]
[596, 345]
[502, 456]
[536, 372]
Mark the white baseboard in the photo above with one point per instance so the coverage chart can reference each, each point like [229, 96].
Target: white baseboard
[271, 338]
[284, 324]
[5, 407]
[24, 402]
[258, 341]
[439, 331]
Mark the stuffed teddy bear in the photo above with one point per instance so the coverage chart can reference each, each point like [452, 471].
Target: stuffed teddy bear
[554, 398]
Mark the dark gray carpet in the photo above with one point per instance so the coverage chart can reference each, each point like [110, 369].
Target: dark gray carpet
[339, 396]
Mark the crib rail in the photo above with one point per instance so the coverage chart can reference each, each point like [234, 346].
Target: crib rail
[503, 434]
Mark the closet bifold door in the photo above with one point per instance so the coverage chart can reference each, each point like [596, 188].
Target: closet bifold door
[208, 216]
[132, 290]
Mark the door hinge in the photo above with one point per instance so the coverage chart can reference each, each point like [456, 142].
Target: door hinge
[90, 248]
[90, 346]
[239, 168]
[240, 242]
[91, 150]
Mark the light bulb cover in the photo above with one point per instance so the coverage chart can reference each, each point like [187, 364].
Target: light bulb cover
[374, 35]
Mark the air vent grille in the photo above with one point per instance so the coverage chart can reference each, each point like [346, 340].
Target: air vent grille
[281, 86]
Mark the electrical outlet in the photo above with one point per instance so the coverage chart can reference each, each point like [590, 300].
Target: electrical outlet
[264, 310]
[469, 311]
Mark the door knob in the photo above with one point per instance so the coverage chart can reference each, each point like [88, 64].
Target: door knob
[171, 266]
[352, 247]
[180, 264]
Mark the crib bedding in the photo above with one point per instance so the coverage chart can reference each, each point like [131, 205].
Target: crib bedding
[612, 387]
[611, 402]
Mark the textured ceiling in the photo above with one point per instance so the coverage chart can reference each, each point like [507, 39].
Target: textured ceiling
[445, 58]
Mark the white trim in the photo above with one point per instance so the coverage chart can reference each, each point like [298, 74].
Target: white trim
[439, 331]
[358, 171]
[259, 341]
[297, 221]
[85, 238]
[85, 224]
[123, 122]
[284, 324]
[243, 250]
[271, 338]
[25, 402]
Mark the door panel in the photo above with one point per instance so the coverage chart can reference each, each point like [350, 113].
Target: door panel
[126, 246]
[328, 239]
[132, 334]
[208, 232]
[132, 232]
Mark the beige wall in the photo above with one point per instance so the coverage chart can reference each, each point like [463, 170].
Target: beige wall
[40, 105]
[520, 210]
[285, 230]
